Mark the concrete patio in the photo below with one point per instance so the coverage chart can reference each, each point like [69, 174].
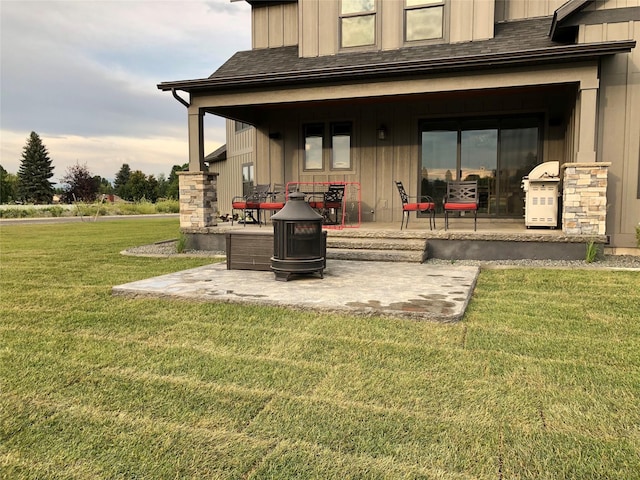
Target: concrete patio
[392, 289]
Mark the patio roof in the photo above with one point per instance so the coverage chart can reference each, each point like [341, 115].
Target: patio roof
[517, 43]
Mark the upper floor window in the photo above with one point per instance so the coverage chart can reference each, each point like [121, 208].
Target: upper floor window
[357, 23]
[423, 19]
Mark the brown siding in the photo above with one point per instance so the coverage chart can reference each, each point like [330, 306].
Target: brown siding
[507, 10]
[274, 25]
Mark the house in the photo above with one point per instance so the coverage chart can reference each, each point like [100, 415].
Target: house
[424, 91]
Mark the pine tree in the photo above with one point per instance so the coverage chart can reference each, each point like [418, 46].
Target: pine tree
[120, 184]
[35, 171]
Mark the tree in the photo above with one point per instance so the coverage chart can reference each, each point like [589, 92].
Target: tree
[80, 184]
[121, 181]
[104, 185]
[35, 171]
[8, 182]
[139, 186]
[173, 189]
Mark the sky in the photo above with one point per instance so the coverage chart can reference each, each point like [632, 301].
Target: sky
[83, 75]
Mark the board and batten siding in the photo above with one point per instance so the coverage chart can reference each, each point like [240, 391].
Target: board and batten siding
[278, 25]
[274, 25]
[618, 135]
[239, 151]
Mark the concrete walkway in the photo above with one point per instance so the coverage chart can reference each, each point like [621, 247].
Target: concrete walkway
[406, 290]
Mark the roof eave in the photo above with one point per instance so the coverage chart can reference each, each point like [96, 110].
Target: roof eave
[565, 11]
[573, 53]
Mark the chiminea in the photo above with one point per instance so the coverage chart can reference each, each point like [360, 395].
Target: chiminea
[299, 243]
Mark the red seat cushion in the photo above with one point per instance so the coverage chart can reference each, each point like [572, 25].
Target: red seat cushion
[239, 205]
[253, 205]
[271, 205]
[333, 205]
[412, 207]
[460, 206]
[318, 204]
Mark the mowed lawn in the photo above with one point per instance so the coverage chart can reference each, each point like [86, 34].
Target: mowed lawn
[541, 380]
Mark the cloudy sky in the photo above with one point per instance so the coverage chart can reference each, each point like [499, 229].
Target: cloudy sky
[83, 74]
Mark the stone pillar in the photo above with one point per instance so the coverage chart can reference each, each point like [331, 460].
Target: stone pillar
[198, 200]
[584, 198]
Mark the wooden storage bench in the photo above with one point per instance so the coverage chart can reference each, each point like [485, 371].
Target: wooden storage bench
[249, 250]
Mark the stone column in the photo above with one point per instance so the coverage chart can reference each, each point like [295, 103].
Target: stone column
[584, 198]
[198, 200]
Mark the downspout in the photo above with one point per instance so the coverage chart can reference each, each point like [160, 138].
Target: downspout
[179, 98]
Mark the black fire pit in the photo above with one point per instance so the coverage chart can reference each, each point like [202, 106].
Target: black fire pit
[299, 243]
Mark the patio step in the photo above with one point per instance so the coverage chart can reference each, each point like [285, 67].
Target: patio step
[345, 246]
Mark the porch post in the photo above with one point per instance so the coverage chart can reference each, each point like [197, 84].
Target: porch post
[586, 152]
[584, 198]
[196, 141]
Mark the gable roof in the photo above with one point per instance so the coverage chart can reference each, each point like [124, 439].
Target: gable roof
[524, 42]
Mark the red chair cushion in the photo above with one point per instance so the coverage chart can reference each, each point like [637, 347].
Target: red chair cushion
[239, 205]
[319, 204]
[253, 205]
[271, 205]
[460, 206]
[412, 207]
[333, 205]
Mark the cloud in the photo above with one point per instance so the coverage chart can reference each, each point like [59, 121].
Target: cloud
[85, 73]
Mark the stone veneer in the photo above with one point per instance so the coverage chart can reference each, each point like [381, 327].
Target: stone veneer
[198, 200]
[584, 198]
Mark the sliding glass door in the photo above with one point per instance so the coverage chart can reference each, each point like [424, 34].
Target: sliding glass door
[495, 152]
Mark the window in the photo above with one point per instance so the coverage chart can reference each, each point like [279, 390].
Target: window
[239, 126]
[497, 152]
[423, 19]
[341, 146]
[357, 23]
[338, 153]
[313, 146]
[247, 178]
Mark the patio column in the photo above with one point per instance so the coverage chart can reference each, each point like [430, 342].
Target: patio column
[587, 128]
[198, 201]
[196, 141]
[584, 198]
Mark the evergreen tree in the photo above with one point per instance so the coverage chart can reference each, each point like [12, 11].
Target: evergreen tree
[120, 184]
[173, 189]
[35, 171]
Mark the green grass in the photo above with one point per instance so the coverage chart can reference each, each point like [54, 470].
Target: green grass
[540, 380]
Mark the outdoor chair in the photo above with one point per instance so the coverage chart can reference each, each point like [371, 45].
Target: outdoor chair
[424, 205]
[461, 197]
[250, 203]
[331, 201]
[274, 200]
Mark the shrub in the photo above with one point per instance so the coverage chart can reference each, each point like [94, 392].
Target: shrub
[168, 206]
[638, 235]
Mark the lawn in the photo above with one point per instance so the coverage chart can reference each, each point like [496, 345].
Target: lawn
[541, 379]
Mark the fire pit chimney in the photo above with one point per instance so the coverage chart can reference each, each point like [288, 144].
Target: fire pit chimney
[299, 243]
